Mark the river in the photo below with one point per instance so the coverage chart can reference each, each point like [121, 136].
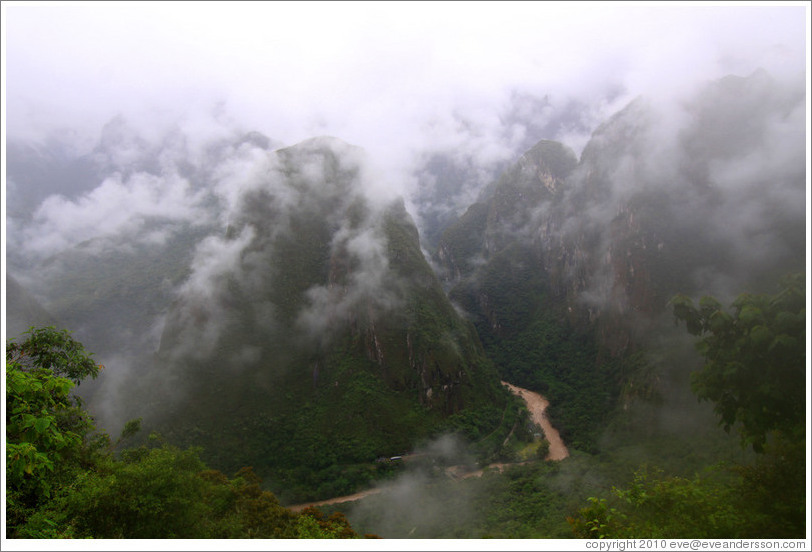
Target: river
[536, 405]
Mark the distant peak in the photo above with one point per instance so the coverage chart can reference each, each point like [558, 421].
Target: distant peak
[320, 142]
[257, 139]
[322, 145]
[555, 157]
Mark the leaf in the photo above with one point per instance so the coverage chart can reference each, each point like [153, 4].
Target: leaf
[751, 315]
[761, 336]
[28, 421]
[783, 341]
[708, 306]
[719, 321]
[41, 424]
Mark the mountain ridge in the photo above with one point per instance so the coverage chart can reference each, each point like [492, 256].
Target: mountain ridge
[353, 319]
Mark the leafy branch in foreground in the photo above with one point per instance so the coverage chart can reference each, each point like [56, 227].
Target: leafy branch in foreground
[754, 373]
[754, 369]
[48, 435]
[64, 481]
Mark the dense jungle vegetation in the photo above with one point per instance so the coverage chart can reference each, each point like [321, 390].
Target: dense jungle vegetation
[686, 477]
[66, 479]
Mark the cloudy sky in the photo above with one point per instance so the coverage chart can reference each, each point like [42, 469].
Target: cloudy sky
[480, 81]
[387, 76]
[399, 79]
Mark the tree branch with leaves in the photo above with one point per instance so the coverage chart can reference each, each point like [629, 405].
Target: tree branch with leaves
[755, 367]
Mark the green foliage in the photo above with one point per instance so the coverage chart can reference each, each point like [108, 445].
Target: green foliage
[256, 513]
[130, 429]
[157, 496]
[595, 521]
[714, 505]
[754, 368]
[166, 492]
[773, 490]
[312, 412]
[64, 482]
[677, 507]
[313, 524]
[754, 373]
[492, 433]
[543, 450]
[54, 350]
[534, 349]
[48, 435]
[31, 425]
[163, 492]
[521, 502]
[534, 344]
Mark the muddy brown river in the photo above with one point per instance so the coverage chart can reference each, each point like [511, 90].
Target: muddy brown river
[536, 405]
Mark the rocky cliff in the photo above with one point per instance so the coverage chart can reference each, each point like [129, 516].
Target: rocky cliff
[664, 200]
[699, 197]
[314, 321]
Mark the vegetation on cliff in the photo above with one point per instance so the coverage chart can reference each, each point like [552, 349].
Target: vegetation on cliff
[65, 479]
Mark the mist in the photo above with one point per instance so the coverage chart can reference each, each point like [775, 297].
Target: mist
[405, 83]
[417, 503]
[161, 160]
[723, 168]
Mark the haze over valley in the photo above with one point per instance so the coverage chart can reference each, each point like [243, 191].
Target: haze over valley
[343, 243]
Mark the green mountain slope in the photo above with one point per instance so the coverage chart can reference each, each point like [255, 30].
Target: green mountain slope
[23, 310]
[313, 336]
[566, 266]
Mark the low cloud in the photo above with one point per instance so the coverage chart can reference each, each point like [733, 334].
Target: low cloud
[417, 503]
[369, 283]
[401, 81]
[159, 99]
[272, 201]
[120, 209]
[723, 167]
[202, 311]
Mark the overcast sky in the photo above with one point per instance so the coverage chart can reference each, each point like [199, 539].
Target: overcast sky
[397, 79]
[386, 76]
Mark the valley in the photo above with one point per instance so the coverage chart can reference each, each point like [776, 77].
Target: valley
[290, 318]
[536, 404]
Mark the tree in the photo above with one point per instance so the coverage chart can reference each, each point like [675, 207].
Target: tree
[655, 506]
[260, 516]
[754, 369]
[754, 373]
[48, 435]
[64, 481]
[54, 350]
[313, 524]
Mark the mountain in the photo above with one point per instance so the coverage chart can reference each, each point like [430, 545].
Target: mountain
[449, 179]
[105, 236]
[566, 266]
[265, 304]
[23, 310]
[265, 270]
[35, 171]
[312, 332]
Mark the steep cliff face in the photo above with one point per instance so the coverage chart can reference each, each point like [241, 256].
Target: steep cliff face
[702, 197]
[688, 199]
[315, 321]
[502, 246]
[508, 264]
